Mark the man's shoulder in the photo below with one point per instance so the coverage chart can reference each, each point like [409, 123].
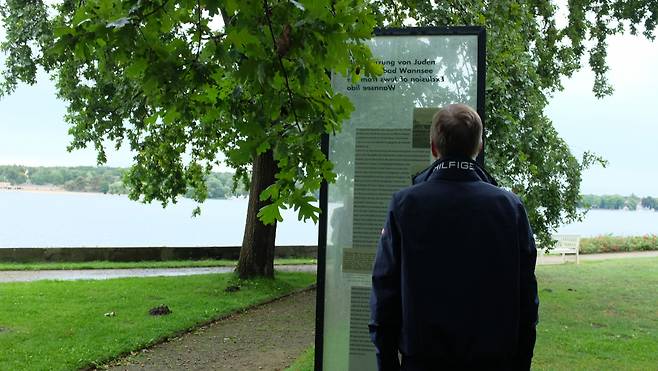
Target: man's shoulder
[483, 188]
[411, 190]
[499, 194]
[501, 191]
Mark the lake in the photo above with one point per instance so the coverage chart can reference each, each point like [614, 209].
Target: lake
[33, 219]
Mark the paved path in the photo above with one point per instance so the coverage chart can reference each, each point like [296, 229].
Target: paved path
[268, 337]
[102, 274]
[557, 259]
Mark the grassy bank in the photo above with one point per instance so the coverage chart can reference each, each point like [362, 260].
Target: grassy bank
[594, 316]
[604, 244]
[142, 264]
[63, 324]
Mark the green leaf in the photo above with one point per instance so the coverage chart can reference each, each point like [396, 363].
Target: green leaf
[212, 93]
[232, 6]
[171, 116]
[263, 147]
[270, 214]
[374, 69]
[308, 210]
[137, 68]
[242, 38]
[61, 31]
[271, 192]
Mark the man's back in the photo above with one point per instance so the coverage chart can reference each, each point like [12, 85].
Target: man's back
[463, 253]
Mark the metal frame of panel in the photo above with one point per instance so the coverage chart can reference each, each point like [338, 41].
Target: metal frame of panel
[324, 188]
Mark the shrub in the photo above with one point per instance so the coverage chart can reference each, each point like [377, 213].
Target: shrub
[609, 243]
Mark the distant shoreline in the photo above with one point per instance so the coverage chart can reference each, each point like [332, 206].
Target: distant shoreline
[47, 189]
[58, 190]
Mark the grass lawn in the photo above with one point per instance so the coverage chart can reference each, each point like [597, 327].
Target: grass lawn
[58, 325]
[600, 315]
[141, 264]
[305, 362]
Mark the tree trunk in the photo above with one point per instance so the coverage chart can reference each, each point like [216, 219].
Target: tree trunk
[257, 252]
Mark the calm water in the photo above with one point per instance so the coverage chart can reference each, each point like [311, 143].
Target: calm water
[30, 219]
[617, 222]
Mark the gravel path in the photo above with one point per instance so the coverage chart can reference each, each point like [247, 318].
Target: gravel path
[268, 337]
[102, 274]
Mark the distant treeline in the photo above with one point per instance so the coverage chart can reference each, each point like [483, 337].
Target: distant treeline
[110, 180]
[99, 179]
[617, 202]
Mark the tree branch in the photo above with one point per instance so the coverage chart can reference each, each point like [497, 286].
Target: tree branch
[164, 3]
[198, 26]
[266, 7]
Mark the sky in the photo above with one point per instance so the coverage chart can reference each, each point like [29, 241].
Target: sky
[623, 128]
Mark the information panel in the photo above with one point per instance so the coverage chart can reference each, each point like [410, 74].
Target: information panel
[385, 142]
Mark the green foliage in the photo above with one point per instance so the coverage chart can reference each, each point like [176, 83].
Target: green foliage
[181, 81]
[649, 203]
[616, 202]
[528, 53]
[13, 174]
[603, 244]
[61, 324]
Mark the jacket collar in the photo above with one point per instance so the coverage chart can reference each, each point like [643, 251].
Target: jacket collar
[455, 168]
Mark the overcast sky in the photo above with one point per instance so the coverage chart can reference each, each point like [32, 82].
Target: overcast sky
[622, 128]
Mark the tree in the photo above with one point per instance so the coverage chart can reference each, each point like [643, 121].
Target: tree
[180, 81]
[649, 202]
[631, 202]
[528, 54]
[611, 202]
[13, 174]
[169, 79]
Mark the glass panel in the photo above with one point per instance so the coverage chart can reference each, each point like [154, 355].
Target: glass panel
[384, 143]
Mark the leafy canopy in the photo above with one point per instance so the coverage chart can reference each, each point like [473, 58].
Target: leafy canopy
[528, 54]
[180, 82]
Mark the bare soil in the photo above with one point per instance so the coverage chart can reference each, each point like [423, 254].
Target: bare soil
[268, 337]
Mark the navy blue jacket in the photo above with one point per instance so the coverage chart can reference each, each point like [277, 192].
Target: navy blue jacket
[454, 276]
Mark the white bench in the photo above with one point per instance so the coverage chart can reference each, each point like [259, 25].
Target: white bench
[566, 244]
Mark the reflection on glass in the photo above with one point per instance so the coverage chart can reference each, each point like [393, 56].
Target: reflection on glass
[375, 154]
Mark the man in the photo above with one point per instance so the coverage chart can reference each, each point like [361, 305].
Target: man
[454, 286]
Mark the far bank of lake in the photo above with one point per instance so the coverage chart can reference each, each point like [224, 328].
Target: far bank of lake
[53, 219]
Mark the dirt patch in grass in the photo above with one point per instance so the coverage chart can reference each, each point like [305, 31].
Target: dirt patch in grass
[268, 337]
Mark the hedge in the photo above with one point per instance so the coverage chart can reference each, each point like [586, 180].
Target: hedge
[603, 244]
